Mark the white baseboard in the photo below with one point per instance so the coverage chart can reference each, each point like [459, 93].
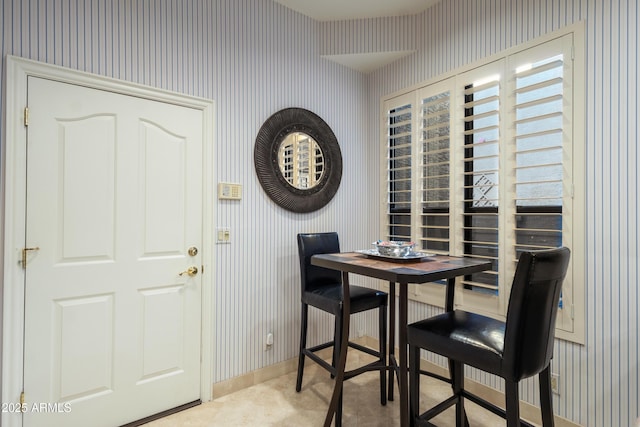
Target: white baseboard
[259, 376]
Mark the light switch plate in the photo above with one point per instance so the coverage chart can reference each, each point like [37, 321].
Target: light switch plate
[223, 235]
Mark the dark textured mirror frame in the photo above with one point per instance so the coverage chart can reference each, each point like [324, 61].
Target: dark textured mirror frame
[265, 153]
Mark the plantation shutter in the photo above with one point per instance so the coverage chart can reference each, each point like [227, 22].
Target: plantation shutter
[398, 157]
[482, 164]
[541, 96]
[481, 167]
[435, 170]
[538, 146]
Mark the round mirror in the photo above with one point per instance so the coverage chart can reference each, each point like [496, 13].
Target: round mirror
[298, 160]
[301, 160]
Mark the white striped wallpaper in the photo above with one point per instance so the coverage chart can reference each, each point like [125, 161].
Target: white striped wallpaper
[254, 57]
[600, 382]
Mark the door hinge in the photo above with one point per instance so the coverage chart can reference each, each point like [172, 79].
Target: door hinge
[26, 116]
[24, 255]
[22, 404]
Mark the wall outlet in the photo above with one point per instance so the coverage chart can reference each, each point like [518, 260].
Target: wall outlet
[268, 342]
[555, 384]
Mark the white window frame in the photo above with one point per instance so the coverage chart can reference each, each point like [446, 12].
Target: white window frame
[571, 318]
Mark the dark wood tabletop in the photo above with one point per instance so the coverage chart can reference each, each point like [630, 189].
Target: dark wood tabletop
[422, 270]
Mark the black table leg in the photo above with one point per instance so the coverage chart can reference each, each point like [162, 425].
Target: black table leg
[402, 354]
[336, 397]
[392, 339]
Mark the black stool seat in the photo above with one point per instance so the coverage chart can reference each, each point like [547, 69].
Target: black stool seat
[471, 338]
[329, 298]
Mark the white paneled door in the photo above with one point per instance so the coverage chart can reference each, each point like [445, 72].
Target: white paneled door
[114, 204]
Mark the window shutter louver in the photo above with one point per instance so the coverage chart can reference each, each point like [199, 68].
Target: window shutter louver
[481, 165]
[435, 167]
[538, 105]
[399, 153]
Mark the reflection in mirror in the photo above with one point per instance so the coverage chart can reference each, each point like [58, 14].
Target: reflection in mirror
[301, 160]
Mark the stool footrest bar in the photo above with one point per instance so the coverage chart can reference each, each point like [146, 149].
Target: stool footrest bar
[439, 408]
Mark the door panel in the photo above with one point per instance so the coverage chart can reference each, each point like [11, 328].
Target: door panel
[163, 337]
[164, 165]
[84, 350]
[114, 200]
[87, 228]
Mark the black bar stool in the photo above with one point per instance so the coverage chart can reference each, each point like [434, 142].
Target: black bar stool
[516, 349]
[322, 288]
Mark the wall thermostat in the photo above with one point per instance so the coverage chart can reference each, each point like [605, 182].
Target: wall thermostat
[229, 191]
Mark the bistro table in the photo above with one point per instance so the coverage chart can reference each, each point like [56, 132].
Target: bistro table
[400, 272]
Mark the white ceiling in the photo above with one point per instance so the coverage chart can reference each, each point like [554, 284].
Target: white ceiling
[340, 10]
[368, 62]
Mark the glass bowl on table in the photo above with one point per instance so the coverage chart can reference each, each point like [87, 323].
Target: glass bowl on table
[394, 248]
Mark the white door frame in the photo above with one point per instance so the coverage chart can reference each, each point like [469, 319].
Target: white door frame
[13, 213]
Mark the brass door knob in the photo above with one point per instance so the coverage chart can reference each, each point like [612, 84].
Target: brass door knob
[192, 251]
[191, 271]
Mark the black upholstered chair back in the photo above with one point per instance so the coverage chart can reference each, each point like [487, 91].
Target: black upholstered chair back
[313, 277]
[533, 307]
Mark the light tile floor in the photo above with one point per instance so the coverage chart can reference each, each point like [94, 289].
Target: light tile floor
[276, 403]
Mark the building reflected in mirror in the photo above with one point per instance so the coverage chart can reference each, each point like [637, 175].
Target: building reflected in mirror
[301, 160]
